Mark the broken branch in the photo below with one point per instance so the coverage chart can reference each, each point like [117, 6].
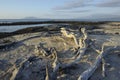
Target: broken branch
[88, 73]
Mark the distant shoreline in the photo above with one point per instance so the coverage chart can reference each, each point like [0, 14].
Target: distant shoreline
[73, 25]
[51, 22]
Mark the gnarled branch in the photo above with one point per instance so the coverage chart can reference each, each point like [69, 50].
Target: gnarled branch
[83, 44]
[88, 73]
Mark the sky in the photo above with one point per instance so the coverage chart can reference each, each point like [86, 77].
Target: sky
[60, 9]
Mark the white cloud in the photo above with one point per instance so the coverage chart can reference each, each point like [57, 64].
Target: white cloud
[72, 4]
[109, 3]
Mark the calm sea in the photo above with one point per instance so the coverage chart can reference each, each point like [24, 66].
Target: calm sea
[17, 27]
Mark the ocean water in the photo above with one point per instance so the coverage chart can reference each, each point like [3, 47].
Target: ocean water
[21, 20]
[13, 28]
[18, 27]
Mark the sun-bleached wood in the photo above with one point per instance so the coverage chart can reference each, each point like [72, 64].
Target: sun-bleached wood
[88, 73]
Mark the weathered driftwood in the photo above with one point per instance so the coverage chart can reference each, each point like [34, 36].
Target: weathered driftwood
[82, 42]
[88, 73]
[56, 62]
[55, 66]
[48, 76]
[82, 46]
[93, 47]
[81, 50]
[103, 68]
[41, 51]
[14, 70]
[103, 60]
[69, 35]
[77, 60]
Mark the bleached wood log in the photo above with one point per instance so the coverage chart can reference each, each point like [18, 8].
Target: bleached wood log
[55, 66]
[88, 73]
[48, 76]
[69, 35]
[14, 70]
[81, 50]
[77, 60]
[40, 51]
[83, 30]
[93, 47]
[103, 60]
[103, 67]
[56, 62]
